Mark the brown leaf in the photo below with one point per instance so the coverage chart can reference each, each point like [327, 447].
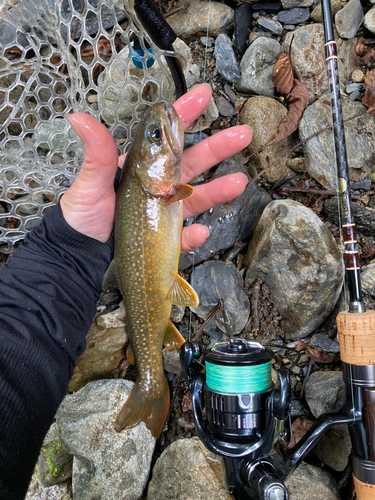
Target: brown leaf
[369, 97]
[367, 54]
[283, 75]
[316, 354]
[299, 429]
[297, 104]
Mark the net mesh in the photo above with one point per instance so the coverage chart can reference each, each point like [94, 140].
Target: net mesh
[57, 57]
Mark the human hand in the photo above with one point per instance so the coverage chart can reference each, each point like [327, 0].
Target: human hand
[89, 204]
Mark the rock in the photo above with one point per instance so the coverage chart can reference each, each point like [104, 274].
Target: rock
[224, 107]
[226, 62]
[360, 142]
[230, 222]
[309, 482]
[171, 361]
[216, 280]
[193, 139]
[293, 16]
[106, 464]
[113, 319]
[369, 20]
[192, 71]
[54, 464]
[294, 253]
[357, 76]
[242, 25]
[192, 20]
[186, 470]
[354, 87]
[349, 19]
[209, 115]
[306, 48]
[316, 14]
[364, 217]
[368, 278]
[58, 492]
[257, 65]
[325, 343]
[325, 392]
[177, 313]
[265, 115]
[273, 26]
[292, 4]
[334, 448]
[104, 353]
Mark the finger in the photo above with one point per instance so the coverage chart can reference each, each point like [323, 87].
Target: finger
[213, 150]
[215, 193]
[100, 161]
[193, 236]
[192, 104]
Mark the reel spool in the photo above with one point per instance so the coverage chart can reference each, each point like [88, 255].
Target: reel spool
[238, 382]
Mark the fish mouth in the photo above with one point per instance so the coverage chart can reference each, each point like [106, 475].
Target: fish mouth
[177, 133]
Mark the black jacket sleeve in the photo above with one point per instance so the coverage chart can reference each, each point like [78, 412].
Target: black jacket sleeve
[48, 294]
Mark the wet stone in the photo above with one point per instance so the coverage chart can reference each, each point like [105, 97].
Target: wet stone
[360, 142]
[325, 343]
[295, 254]
[325, 392]
[193, 139]
[273, 26]
[257, 65]
[316, 14]
[334, 448]
[364, 217]
[311, 482]
[224, 107]
[186, 470]
[292, 4]
[230, 222]
[216, 280]
[242, 26]
[293, 16]
[369, 20]
[226, 62]
[106, 464]
[349, 19]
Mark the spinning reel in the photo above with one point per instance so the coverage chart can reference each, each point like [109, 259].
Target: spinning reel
[247, 420]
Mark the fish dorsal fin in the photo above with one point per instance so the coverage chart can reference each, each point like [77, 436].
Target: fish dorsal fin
[173, 339]
[181, 293]
[110, 278]
[180, 192]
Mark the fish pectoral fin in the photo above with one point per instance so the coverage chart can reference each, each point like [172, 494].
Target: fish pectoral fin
[141, 408]
[173, 339]
[110, 278]
[130, 355]
[181, 191]
[182, 294]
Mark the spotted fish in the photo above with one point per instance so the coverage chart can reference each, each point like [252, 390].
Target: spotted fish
[148, 225]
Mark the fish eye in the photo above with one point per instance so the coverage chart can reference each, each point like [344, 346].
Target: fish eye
[154, 134]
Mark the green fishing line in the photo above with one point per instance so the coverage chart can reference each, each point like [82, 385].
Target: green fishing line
[238, 379]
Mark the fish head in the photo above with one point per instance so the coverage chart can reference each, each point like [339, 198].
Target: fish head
[157, 149]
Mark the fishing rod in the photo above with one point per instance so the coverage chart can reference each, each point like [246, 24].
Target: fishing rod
[356, 328]
[238, 412]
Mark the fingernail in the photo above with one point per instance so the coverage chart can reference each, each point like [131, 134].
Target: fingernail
[69, 117]
[248, 126]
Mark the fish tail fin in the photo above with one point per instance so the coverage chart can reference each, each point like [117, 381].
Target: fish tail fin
[139, 408]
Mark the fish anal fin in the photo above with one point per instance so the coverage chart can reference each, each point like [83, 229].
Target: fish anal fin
[173, 339]
[139, 408]
[182, 294]
[180, 192]
[130, 355]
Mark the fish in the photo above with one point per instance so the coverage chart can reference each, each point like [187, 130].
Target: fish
[148, 225]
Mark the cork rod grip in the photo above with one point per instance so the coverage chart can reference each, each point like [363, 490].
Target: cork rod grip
[357, 338]
[364, 491]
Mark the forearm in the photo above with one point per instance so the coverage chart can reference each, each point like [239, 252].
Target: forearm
[48, 292]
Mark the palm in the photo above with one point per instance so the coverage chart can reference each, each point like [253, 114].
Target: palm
[88, 205]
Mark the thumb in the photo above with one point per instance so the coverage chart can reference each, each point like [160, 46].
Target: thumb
[100, 161]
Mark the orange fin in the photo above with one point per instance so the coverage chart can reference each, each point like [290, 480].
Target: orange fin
[138, 408]
[180, 192]
[130, 355]
[173, 339]
[182, 294]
